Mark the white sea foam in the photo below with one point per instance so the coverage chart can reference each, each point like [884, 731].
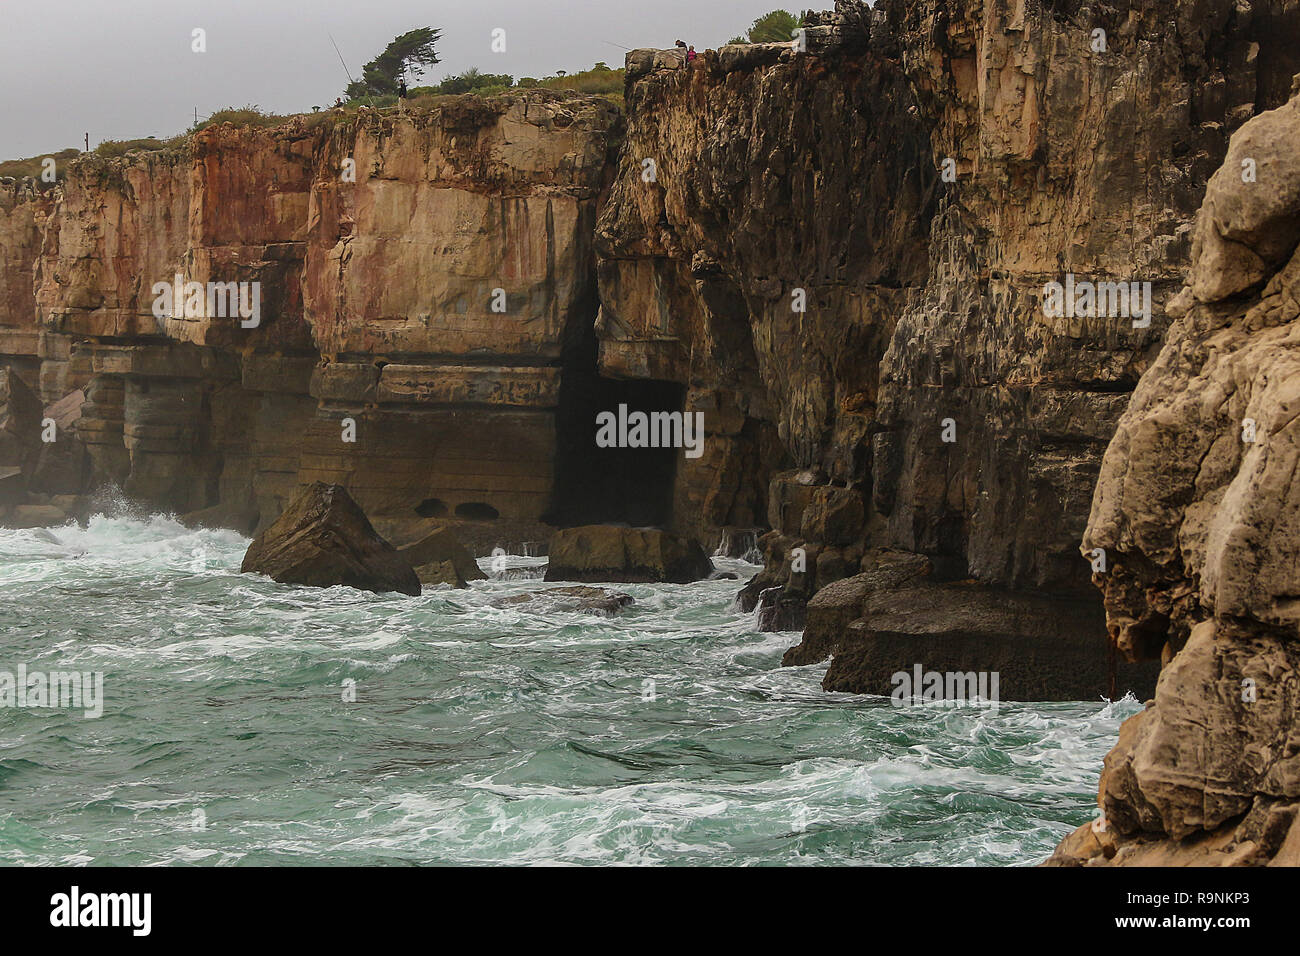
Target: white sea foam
[483, 733]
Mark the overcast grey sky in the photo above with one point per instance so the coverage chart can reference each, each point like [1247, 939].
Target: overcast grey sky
[123, 69]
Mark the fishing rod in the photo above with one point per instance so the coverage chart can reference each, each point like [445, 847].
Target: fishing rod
[345, 66]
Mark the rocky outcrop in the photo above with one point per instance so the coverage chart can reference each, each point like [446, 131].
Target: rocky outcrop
[577, 599]
[440, 558]
[425, 290]
[872, 289]
[838, 605]
[885, 620]
[836, 256]
[1197, 513]
[323, 539]
[607, 553]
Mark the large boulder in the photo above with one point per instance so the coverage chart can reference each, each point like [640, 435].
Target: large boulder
[440, 558]
[323, 538]
[607, 553]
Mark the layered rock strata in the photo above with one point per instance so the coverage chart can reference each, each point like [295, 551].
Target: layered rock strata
[1197, 509]
[835, 254]
[607, 553]
[423, 283]
[849, 247]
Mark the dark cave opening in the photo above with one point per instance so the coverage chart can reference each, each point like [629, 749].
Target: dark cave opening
[431, 508]
[595, 485]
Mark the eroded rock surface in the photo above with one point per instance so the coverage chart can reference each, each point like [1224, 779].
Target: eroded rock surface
[608, 553]
[836, 256]
[1197, 510]
[425, 282]
[323, 539]
[440, 558]
[579, 598]
[923, 398]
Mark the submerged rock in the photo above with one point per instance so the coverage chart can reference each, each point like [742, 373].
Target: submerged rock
[323, 538]
[440, 558]
[609, 553]
[579, 599]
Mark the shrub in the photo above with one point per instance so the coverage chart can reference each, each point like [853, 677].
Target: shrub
[240, 116]
[112, 148]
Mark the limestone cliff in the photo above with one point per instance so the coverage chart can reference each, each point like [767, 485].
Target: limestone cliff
[837, 253]
[926, 402]
[424, 280]
[1198, 509]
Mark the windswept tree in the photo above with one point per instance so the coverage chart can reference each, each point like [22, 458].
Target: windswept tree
[411, 52]
[775, 27]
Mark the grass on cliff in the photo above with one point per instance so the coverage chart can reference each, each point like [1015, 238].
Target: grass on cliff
[113, 148]
[600, 80]
[33, 166]
[240, 116]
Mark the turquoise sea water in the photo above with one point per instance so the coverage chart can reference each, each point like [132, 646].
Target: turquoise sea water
[480, 734]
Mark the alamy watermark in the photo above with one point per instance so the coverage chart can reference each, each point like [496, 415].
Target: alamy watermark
[65, 690]
[950, 688]
[214, 300]
[1091, 300]
[75, 908]
[651, 430]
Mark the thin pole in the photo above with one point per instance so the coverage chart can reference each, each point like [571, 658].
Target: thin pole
[345, 66]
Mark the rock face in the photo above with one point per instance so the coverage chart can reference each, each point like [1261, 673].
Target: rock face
[838, 258]
[324, 539]
[886, 620]
[20, 424]
[577, 599]
[440, 558]
[871, 290]
[1197, 510]
[606, 553]
[425, 285]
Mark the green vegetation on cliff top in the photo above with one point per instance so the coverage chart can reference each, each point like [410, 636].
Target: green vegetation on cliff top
[377, 89]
